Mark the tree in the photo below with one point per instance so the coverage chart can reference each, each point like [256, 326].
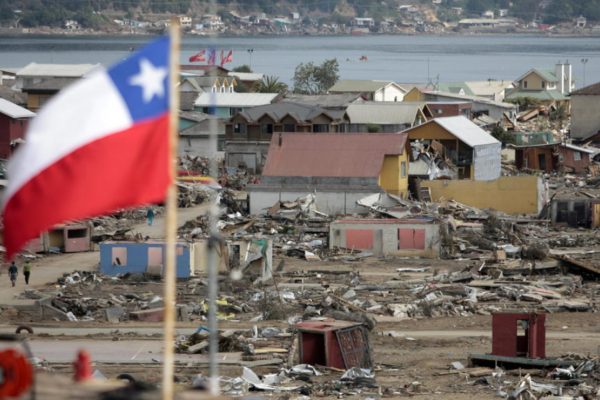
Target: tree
[503, 136]
[271, 84]
[242, 68]
[316, 79]
[477, 6]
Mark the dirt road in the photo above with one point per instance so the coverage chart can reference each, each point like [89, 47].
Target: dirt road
[48, 269]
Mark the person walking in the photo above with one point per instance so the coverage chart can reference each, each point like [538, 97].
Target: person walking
[150, 215]
[27, 271]
[12, 272]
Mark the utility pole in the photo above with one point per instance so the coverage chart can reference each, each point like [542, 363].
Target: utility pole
[250, 51]
[584, 61]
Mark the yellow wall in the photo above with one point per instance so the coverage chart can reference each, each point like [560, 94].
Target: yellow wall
[391, 178]
[430, 131]
[510, 194]
[35, 101]
[414, 95]
[534, 82]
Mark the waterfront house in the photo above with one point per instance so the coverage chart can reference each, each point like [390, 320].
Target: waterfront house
[42, 81]
[225, 105]
[13, 124]
[549, 87]
[370, 89]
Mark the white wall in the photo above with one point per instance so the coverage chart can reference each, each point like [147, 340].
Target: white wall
[389, 93]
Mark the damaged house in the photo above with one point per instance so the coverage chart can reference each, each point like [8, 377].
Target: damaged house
[387, 237]
[463, 146]
[551, 157]
[339, 168]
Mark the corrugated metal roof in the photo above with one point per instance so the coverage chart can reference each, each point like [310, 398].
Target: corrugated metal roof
[387, 113]
[464, 130]
[246, 76]
[331, 155]
[234, 99]
[473, 99]
[358, 85]
[58, 70]
[552, 94]
[13, 110]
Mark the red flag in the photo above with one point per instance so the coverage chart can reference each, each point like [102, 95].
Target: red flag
[198, 57]
[98, 146]
[226, 59]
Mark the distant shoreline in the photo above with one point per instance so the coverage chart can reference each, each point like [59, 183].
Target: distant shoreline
[90, 33]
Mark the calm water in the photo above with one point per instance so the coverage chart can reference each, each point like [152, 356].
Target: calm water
[399, 58]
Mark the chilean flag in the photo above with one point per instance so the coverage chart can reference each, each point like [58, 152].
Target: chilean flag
[100, 145]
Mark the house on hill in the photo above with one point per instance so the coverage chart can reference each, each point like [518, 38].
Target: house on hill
[370, 89]
[339, 168]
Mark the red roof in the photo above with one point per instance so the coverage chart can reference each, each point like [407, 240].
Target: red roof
[331, 154]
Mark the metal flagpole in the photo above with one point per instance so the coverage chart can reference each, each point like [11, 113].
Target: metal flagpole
[171, 216]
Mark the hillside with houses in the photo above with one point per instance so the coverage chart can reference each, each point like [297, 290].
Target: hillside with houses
[303, 17]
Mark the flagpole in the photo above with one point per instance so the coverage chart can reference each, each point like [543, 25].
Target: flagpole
[171, 215]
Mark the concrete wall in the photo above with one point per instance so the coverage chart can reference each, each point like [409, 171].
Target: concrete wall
[386, 236]
[510, 194]
[252, 153]
[487, 162]
[585, 116]
[200, 145]
[332, 203]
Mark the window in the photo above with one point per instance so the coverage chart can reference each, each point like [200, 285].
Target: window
[234, 110]
[543, 85]
[266, 129]
[439, 111]
[577, 156]
[119, 256]
[76, 233]
[239, 128]
[320, 128]
[403, 169]
[525, 84]
[221, 144]
[289, 128]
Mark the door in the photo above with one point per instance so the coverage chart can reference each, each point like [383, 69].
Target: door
[542, 161]
[595, 215]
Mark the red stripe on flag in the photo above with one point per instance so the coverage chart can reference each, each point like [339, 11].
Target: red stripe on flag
[121, 170]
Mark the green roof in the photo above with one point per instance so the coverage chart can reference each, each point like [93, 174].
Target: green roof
[543, 95]
[455, 87]
[547, 74]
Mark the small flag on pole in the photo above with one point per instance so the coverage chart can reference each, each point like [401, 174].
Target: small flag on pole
[226, 59]
[198, 57]
[100, 145]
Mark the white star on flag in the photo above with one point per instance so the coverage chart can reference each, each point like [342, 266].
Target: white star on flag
[150, 79]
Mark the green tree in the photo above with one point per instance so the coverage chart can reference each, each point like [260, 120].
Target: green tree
[478, 6]
[242, 68]
[503, 136]
[271, 84]
[310, 78]
[558, 11]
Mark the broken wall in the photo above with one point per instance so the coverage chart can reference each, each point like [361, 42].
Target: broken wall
[509, 194]
[487, 162]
